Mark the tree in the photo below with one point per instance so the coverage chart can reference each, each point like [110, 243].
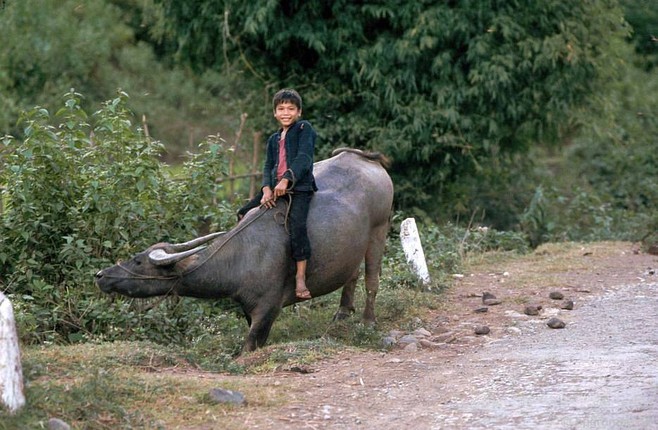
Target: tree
[97, 47]
[448, 89]
[49, 47]
[643, 17]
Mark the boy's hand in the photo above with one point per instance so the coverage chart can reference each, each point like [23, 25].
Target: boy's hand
[268, 198]
[280, 188]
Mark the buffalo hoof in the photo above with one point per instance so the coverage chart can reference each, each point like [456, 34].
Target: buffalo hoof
[343, 315]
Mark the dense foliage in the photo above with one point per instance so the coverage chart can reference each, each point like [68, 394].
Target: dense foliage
[468, 97]
[448, 89]
[82, 195]
[606, 187]
[456, 92]
[643, 17]
[90, 190]
[97, 47]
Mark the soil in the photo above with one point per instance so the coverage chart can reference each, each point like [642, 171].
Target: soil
[598, 372]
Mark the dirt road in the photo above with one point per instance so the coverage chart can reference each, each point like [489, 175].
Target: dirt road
[599, 372]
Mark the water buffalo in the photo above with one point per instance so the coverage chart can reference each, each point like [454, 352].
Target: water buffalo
[251, 263]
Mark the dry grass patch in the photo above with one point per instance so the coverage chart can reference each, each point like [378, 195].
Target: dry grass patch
[124, 385]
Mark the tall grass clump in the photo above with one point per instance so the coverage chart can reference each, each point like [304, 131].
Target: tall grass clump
[446, 247]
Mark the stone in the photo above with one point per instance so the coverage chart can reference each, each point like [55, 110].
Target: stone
[556, 323]
[11, 373]
[567, 305]
[301, 369]
[556, 295]
[408, 339]
[389, 341]
[482, 329]
[220, 395]
[429, 344]
[57, 424]
[532, 309]
[444, 337]
[412, 347]
[492, 302]
[481, 310]
[422, 332]
[486, 296]
[413, 250]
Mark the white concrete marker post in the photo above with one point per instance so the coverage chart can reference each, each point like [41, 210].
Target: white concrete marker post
[413, 249]
[11, 373]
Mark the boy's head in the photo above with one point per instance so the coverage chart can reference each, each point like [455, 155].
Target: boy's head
[287, 95]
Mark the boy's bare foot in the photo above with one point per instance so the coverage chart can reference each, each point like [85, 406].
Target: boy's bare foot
[301, 291]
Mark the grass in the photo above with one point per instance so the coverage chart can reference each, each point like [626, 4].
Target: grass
[121, 385]
[547, 265]
[142, 385]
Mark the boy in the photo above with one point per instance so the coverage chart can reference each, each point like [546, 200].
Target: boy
[289, 168]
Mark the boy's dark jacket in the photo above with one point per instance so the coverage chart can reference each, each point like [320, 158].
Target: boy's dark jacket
[300, 147]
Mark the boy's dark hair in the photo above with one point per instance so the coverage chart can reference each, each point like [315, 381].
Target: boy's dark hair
[287, 95]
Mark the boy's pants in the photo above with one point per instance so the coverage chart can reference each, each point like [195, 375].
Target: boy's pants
[300, 203]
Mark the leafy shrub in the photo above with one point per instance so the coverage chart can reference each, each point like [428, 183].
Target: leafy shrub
[605, 188]
[445, 248]
[79, 196]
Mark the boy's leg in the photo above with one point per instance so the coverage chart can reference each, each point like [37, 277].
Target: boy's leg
[301, 246]
[253, 203]
[300, 281]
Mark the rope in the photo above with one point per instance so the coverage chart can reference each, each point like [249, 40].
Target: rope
[241, 226]
[286, 216]
[138, 276]
[230, 235]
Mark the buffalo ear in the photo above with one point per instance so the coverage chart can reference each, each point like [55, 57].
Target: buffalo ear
[160, 257]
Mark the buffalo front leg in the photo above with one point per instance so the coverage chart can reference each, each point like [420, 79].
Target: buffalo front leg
[346, 307]
[373, 264]
[262, 317]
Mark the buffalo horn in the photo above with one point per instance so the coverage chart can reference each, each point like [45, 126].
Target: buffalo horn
[178, 247]
[160, 257]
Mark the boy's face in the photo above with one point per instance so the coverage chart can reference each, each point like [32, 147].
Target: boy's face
[286, 113]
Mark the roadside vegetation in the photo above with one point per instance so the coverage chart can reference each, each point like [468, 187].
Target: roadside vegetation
[144, 384]
[120, 131]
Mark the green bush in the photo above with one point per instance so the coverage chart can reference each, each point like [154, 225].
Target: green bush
[605, 187]
[445, 247]
[79, 196]
[91, 190]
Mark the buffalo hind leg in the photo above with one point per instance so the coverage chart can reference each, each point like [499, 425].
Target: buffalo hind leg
[374, 256]
[262, 318]
[346, 307]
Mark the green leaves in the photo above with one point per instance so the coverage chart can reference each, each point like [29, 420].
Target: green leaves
[441, 87]
[82, 194]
